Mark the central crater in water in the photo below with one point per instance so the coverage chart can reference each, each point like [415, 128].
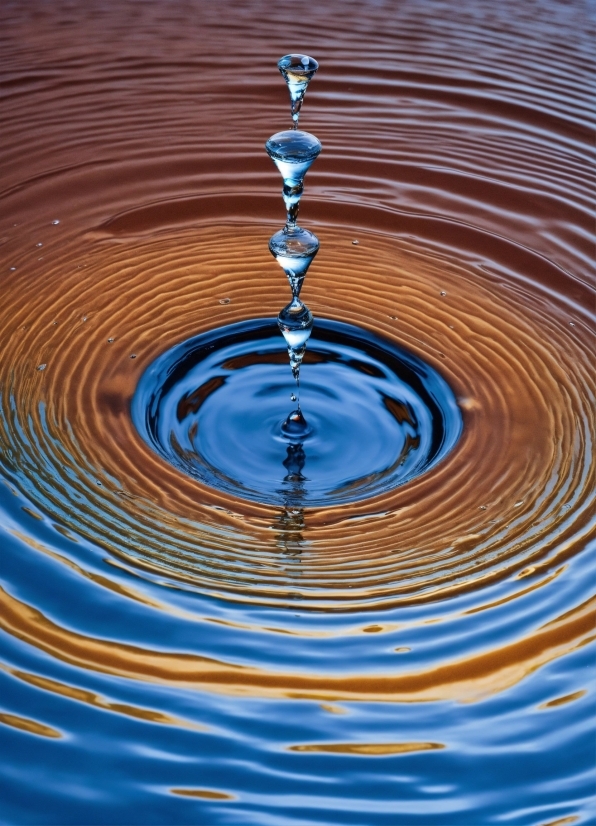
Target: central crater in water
[214, 406]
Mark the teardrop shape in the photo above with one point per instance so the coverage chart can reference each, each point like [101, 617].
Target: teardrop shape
[295, 322]
[295, 427]
[293, 153]
[297, 71]
[294, 249]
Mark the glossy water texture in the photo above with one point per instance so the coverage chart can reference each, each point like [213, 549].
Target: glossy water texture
[216, 407]
[171, 653]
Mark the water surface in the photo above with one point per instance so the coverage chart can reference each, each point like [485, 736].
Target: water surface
[170, 652]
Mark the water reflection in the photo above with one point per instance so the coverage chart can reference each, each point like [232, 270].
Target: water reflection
[290, 521]
[154, 665]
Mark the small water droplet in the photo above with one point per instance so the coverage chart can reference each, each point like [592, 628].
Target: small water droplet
[133, 355]
[56, 222]
[517, 504]
[99, 483]
[39, 245]
[355, 242]
[42, 366]
[393, 317]
[224, 300]
[443, 292]
[12, 269]
[293, 397]
[482, 508]
[84, 318]
[110, 340]
[54, 323]
[571, 324]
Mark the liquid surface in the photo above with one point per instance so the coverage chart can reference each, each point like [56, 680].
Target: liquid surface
[217, 408]
[172, 653]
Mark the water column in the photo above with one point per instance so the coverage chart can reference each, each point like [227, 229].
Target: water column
[293, 247]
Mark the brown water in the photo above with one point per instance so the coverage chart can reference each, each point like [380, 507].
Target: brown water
[171, 653]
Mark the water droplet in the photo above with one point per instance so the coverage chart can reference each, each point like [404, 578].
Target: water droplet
[54, 323]
[99, 483]
[56, 222]
[110, 340]
[355, 242]
[517, 504]
[443, 292]
[295, 322]
[293, 397]
[293, 152]
[294, 249]
[133, 355]
[12, 269]
[42, 366]
[482, 507]
[297, 71]
[224, 300]
[393, 317]
[295, 427]
[571, 324]
[84, 318]
[39, 245]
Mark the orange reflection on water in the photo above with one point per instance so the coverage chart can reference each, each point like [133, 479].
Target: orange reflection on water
[467, 679]
[369, 749]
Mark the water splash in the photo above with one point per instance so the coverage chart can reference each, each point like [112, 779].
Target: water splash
[294, 248]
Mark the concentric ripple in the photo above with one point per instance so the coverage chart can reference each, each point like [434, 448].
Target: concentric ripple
[377, 416]
[173, 649]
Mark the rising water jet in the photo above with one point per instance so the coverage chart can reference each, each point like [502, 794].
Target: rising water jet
[293, 247]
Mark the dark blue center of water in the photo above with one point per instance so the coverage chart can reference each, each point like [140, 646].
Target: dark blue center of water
[378, 416]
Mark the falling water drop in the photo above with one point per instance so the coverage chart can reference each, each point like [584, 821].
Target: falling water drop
[295, 322]
[297, 71]
[293, 152]
[293, 247]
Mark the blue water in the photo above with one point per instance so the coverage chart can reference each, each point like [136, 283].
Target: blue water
[376, 417]
[416, 653]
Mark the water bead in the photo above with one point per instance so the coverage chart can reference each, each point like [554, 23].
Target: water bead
[297, 70]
